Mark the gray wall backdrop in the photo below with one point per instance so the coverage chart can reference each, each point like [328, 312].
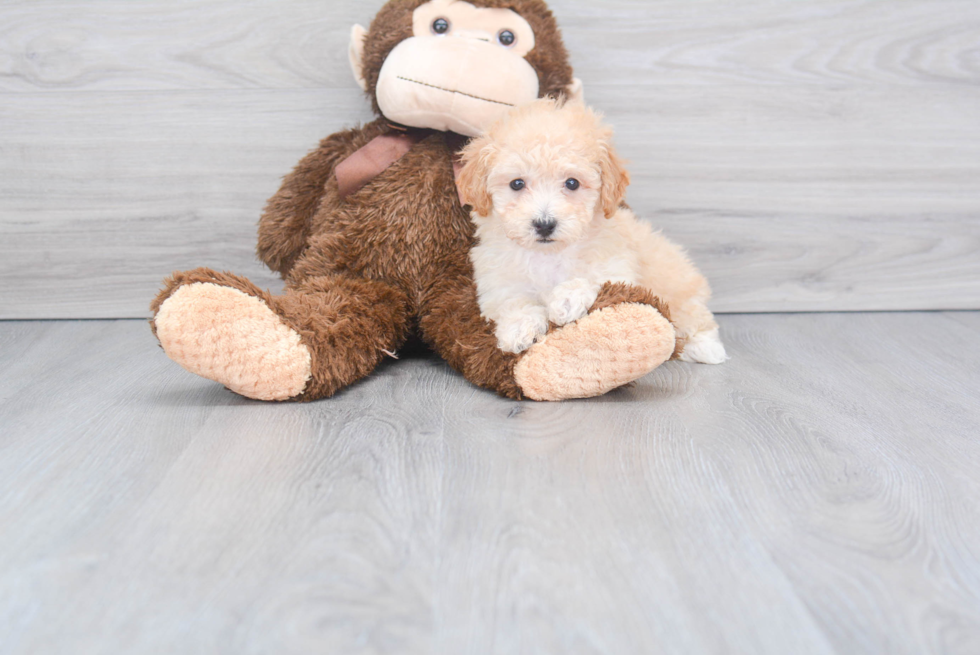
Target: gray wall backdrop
[813, 155]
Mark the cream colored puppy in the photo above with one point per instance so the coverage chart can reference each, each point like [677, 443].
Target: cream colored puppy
[547, 190]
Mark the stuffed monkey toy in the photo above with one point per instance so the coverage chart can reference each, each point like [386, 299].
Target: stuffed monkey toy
[372, 240]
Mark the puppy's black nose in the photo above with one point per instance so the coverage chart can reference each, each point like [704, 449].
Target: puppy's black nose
[545, 227]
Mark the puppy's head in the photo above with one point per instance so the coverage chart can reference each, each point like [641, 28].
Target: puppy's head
[547, 171]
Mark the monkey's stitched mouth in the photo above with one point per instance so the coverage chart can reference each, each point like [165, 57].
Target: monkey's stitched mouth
[468, 95]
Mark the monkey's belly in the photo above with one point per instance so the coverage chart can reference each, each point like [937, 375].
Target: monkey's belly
[410, 250]
[406, 227]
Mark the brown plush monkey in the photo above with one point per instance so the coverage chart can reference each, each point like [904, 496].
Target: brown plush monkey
[372, 241]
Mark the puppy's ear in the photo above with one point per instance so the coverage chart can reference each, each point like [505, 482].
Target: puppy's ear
[478, 157]
[615, 179]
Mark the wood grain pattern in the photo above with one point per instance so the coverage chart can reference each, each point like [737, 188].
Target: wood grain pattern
[920, 43]
[114, 45]
[818, 155]
[220, 44]
[818, 494]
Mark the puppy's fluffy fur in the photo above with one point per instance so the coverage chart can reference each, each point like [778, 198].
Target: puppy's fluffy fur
[547, 190]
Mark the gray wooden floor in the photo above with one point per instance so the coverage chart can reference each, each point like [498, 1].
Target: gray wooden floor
[819, 494]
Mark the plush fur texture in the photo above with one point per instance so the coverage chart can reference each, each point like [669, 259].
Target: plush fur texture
[628, 334]
[559, 368]
[393, 24]
[348, 325]
[219, 331]
[462, 79]
[547, 190]
[364, 273]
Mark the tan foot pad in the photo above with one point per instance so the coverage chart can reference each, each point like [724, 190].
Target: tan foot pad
[601, 352]
[233, 338]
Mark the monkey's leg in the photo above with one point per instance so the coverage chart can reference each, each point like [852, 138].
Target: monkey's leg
[625, 337]
[451, 323]
[319, 337]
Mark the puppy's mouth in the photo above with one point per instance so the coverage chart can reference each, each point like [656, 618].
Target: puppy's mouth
[546, 240]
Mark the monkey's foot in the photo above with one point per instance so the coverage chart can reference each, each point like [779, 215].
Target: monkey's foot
[607, 349]
[231, 336]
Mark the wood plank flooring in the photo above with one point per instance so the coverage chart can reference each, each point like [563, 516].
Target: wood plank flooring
[818, 494]
[814, 155]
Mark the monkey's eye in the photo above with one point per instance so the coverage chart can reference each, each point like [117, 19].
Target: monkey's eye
[440, 26]
[572, 184]
[506, 38]
[518, 185]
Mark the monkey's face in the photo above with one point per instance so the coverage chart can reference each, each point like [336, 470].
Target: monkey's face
[463, 68]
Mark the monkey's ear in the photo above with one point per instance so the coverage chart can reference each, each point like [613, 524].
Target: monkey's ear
[615, 179]
[575, 93]
[478, 158]
[357, 37]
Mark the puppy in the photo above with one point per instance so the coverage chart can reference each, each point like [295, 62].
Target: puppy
[547, 192]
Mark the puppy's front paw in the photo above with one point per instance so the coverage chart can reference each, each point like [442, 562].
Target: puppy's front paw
[571, 301]
[705, 348]
[517, 331]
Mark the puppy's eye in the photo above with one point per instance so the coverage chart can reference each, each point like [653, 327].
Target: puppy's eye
[506, 38]
[518, 185]
[440, 26]
[572, 184]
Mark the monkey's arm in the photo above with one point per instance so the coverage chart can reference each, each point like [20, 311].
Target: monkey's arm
[284, 228]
